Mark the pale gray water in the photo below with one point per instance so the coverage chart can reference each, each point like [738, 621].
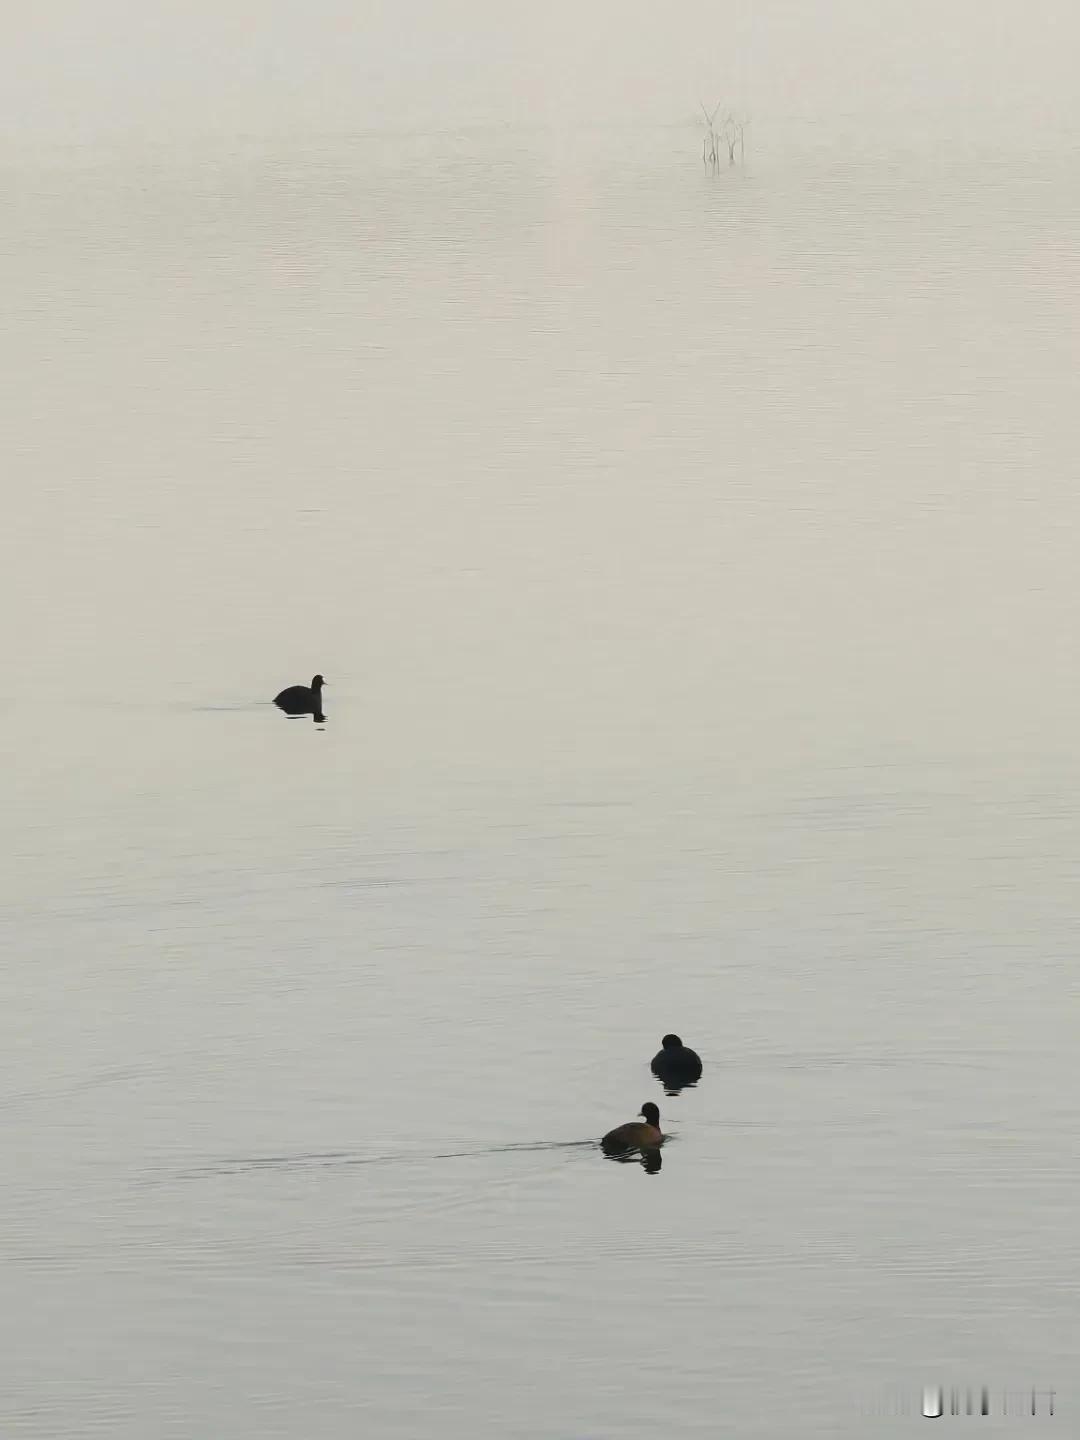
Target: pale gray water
[692, 564]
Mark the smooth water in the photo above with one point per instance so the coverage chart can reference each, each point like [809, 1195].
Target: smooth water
[692, 563]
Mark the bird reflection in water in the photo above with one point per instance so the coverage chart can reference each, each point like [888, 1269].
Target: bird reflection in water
[317, 716]
[649, 1160]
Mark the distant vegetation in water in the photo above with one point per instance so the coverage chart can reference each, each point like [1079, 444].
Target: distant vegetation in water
[725, 138]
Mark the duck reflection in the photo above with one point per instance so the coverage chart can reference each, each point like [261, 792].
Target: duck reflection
[649, 1160]
[317, 716]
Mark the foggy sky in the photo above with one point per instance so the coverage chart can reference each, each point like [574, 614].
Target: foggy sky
[73, 71]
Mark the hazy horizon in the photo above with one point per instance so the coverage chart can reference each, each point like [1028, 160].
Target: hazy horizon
[72, 72]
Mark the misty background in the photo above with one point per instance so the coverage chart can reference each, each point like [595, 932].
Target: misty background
[927, 71]
[691, 560]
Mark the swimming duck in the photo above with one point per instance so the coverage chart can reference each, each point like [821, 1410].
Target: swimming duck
[676, 1063]
[634, 1135]
[302, 699]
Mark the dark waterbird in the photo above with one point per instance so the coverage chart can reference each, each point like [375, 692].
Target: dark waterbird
[644, 1134]
[302, 699]
[676, 1064]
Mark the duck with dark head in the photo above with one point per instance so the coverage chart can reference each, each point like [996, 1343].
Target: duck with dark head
[302, 699]
[644, 1134]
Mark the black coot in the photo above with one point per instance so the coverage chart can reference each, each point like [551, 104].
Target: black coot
[302, 699]
[676, 1063]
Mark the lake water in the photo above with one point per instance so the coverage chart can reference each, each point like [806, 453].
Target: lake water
[692, 562]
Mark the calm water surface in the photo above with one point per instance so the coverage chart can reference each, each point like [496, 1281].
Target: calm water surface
[693, 567]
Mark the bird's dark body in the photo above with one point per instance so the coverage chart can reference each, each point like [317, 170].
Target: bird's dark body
[636, 1134]
[676, 1063]
[301, 699]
